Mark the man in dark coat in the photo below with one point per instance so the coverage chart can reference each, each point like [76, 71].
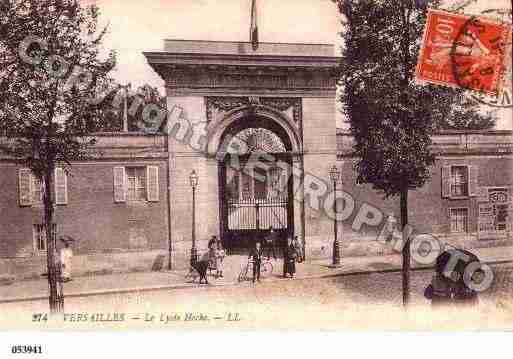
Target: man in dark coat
[289, 259]
[448, 285]
[256, 256]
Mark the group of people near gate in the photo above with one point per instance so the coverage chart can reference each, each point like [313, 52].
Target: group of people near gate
[292, 253]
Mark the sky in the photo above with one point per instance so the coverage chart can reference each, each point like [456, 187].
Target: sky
[142, 25]
[137, 26]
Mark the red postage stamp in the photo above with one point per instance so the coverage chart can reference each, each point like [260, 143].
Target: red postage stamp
[463, 51]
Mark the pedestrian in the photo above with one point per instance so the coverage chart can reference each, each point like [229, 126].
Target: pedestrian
[212, 259]
[299, 250]
[289, 259]
[270, 242]
[66, 256]
[448, 284]
[256, 257]
[390, 226]
[440, 291]
[199, 268]
[220, 254]
[213, 242]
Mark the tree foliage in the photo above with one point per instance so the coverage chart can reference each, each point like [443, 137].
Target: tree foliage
[391, 117]
[141, 105]
[50, 72]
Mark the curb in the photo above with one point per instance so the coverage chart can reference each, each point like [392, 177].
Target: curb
[228, 284]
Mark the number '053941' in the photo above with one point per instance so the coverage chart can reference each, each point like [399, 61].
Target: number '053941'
[26, 349]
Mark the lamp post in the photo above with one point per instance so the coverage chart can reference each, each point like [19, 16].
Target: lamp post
[193, 178]
[334, 176]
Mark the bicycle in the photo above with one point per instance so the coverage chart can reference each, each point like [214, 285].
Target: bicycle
[266, 269]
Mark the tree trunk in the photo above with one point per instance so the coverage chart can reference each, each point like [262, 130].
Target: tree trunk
[406, 248]
[56, 299]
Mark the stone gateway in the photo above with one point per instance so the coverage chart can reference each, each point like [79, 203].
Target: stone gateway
[258, 128]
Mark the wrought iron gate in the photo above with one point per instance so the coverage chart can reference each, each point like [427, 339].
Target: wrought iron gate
[253, 200]
[257, 214]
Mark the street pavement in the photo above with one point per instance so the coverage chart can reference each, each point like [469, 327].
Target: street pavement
[364, 301]
[30, 290]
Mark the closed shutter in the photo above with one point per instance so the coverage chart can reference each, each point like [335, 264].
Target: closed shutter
[446, 181]
[61, 186]
[473, 172]
[119, 185]
[25, 186]
[152, 185]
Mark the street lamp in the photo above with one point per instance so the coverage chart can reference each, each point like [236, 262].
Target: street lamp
[193, 178]
[334, 176]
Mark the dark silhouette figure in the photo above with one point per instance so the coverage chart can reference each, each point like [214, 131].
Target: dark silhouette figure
[256, 256]
[448, 284]
[289, 259]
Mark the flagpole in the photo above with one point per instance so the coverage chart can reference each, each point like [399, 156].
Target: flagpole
[253, 31]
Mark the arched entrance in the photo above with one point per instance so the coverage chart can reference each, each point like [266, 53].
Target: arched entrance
[256, 184]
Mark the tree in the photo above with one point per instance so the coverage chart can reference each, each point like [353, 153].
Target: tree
[50, 69]
[140, 106]
[391, 117]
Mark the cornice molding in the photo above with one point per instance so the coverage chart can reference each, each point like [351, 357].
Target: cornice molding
[155, 58]
[251, 79]
[228, 103]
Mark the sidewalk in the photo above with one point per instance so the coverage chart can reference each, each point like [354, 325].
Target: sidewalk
[165, 280]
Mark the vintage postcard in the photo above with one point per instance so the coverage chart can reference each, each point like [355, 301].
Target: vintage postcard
[255, 165]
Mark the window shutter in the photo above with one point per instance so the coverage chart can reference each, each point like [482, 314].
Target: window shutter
[446, 181]
[473, 172]
[25, 186]
[119, 185]
[61, 186]
[152, 183]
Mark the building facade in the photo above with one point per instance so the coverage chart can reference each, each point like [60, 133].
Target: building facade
[258, 128]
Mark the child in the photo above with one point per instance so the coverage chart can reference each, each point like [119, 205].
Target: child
[220, 254]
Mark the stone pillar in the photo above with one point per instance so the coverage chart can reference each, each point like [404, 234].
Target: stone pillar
[319, 138]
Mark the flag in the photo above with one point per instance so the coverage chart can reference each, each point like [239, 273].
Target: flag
[253, 32]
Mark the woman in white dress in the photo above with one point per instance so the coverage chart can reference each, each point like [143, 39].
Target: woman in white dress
[66, 257]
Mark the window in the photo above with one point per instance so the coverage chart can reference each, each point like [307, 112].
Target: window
[31, 189]
[459, 181]
[246, 186]
[260, 183]
[136, 183]
[277, 183]
[133, 184]
[459, 220]
[37, 190]
[40, 236]
[233, 185]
